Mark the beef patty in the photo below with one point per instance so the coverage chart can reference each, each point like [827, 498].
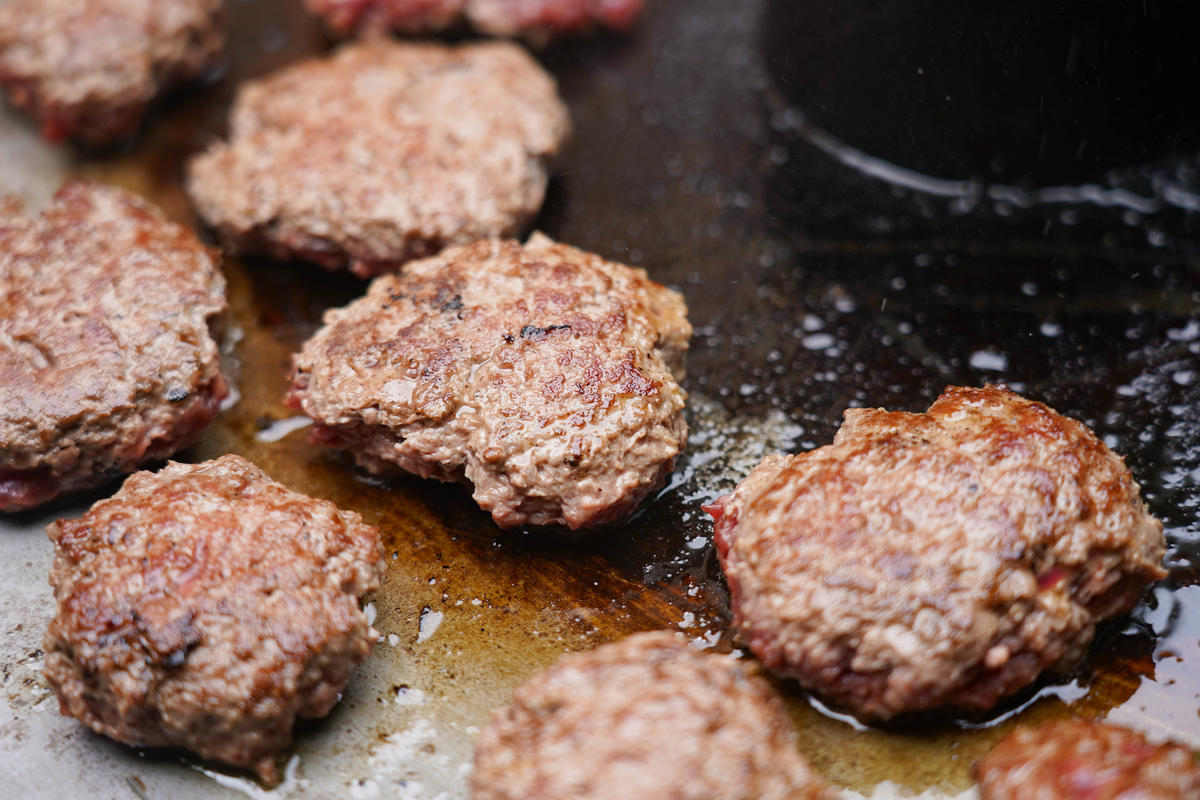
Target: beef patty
[944, 558]
[645, 717]
[1077, 760]
[207, 607]
[89, 69]
[383, 152]
[538, 20]
[543, 375]
[105, 354]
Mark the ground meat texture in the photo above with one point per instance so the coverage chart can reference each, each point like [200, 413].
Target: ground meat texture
[936, 559]
[89, 68]
[382, 153]
[208, 607]
[1077, 760]
[647, 717]
[543, 375]
[380, 16]
[542, 19]
[534, 19]
[105, 354]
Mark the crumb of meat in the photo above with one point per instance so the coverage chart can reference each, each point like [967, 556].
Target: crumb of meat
[88, 70]
[938, 559]
[383, 152]
[105, 354]
[648, 716]
[208, 607]
[543, 375]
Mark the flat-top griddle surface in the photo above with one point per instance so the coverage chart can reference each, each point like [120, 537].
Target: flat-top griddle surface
[817, 277]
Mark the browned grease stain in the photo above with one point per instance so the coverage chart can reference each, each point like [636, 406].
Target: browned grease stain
[511, 603]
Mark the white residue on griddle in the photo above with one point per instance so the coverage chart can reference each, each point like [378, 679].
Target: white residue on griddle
[280, 428]
[233, 397]
[724, 447]
[369, 612]
[291, 784]
[24, 682]
[409, 696]
[706, 640]
[989, 360]
[1187, 333]
[894, 791]
[818, 341]
[399, 764]
[429, 623]
[233, 335]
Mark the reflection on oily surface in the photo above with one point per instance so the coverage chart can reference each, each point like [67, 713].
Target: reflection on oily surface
[1026, 92]
[813, 287]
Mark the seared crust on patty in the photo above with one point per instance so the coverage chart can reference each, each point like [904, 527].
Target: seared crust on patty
[1078, 760]
[936, 559]
[383, 152]
[87, 69]
[208, 607]
[543, 375]
[647, 717]
[105, 354]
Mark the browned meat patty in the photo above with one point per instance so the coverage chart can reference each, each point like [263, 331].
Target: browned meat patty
[207, 607]
[647, 717]
[1077, 760]
[89, 68]
[543, 375]
[105, 354]
[383, 152]
[535, 19]
[936, 559]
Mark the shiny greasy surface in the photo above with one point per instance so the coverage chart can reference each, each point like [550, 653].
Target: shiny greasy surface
[812, 286]
[544, 376]
[945, 558]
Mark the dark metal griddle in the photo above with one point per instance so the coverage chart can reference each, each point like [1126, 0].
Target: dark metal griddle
[818, 278]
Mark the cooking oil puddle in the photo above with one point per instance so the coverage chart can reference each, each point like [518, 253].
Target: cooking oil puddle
[1066, 693]
[1157, 707]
